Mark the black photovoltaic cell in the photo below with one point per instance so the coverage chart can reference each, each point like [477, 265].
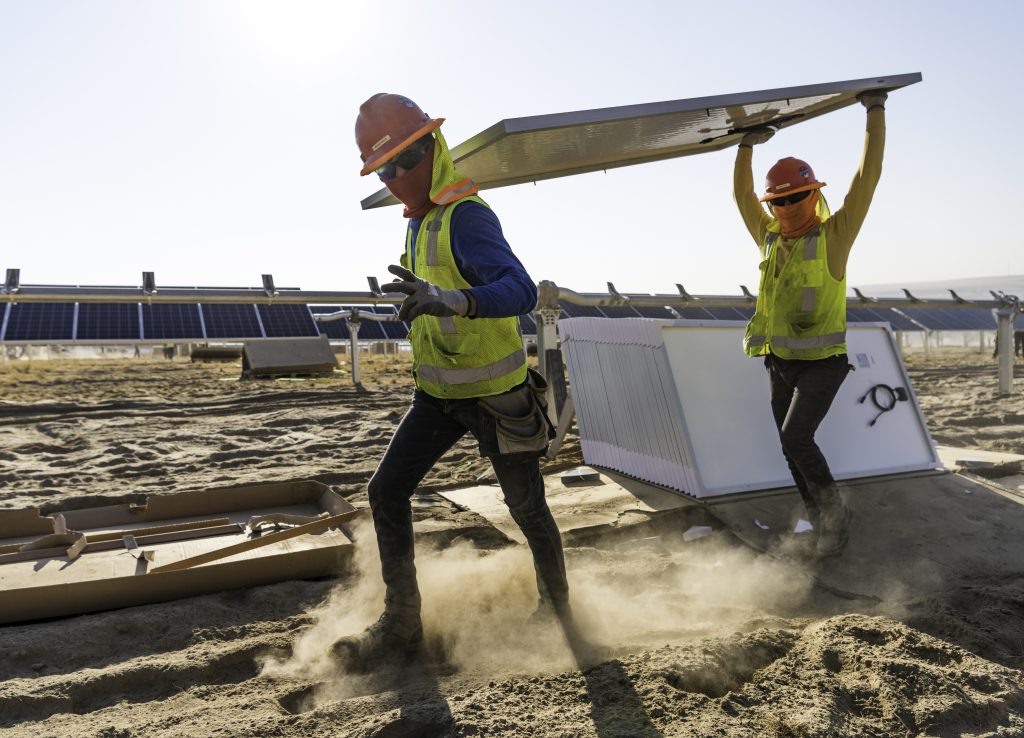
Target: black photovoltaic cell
[370, 330]
[98, 321]
[40, 321]
[961, 319]
[167, 320]
[231, 321]
[282, 321]
[617, 311]
[728, 314]
[694, 313]
[655, 312]
[527, 325]
[392, 328]
[579, 311]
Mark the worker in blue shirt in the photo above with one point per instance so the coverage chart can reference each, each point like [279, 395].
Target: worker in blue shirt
[464, 290]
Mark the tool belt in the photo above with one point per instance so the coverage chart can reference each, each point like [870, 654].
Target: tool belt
[516, 423]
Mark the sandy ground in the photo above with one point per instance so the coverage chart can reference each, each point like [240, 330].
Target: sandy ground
[676, 639]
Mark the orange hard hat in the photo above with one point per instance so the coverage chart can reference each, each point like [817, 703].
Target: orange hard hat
[386, 125]
[788, 177]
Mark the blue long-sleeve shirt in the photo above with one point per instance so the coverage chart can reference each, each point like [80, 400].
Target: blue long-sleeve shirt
[501, 286]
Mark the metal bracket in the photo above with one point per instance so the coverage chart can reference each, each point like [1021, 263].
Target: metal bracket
[862, 297]
[746, 294]
[374, 287]
[684, 294]
[910, 296]
[618, 297]
[268, 286]
[13, 282]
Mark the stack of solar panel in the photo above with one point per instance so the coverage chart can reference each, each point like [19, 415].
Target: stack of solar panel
[626, 402]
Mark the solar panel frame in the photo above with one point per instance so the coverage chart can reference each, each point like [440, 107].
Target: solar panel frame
[534, 148]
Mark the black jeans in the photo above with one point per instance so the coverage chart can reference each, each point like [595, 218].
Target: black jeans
[428, 430]
[802, 392]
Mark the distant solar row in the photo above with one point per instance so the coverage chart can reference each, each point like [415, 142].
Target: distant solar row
[215, 321]
[85, 321]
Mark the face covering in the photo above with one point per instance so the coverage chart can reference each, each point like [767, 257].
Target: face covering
[798, 218]
[413, 187]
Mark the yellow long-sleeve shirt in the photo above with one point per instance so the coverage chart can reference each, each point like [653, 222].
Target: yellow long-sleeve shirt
[842, 228]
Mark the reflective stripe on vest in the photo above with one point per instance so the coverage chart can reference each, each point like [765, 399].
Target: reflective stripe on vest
[477, 374]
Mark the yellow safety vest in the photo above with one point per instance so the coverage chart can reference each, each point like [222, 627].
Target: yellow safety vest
[801, 310]
[458, 357]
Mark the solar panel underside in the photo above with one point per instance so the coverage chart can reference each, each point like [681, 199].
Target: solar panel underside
[282, 321]
[99, 321]
[540, 147]
[40, 321]
[231, 321]
[166, 320]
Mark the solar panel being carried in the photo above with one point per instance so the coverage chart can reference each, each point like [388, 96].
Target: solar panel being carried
[538, 147]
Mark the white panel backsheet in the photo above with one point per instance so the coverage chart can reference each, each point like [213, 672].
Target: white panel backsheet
[677, 403]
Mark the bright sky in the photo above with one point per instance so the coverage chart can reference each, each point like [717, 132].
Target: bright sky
[210, 141]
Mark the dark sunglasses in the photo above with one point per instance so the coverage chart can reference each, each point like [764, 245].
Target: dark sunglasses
[789, 199]
[406, 160]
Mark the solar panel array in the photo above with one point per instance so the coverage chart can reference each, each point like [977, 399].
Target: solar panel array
[111, 322]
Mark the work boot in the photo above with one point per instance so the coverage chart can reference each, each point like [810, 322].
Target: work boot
[548, 613]
[394, 638]
[834, 517]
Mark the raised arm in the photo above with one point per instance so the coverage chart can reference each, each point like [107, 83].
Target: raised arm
[754, 216]
[845, 223]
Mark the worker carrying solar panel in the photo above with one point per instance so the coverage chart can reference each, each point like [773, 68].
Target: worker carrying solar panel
[464, 289]
[799, 324]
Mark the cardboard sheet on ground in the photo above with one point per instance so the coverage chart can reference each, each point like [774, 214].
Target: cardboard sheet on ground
[575, 506]
[909, 536]
[116, 561]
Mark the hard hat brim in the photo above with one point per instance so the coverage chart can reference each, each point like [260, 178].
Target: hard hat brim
[379, 157]
[803, 188]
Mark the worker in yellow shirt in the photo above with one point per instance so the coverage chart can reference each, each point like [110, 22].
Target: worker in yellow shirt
[799, 324]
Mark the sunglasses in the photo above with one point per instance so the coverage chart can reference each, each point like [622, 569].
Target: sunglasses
[789, 199]
[406, 160]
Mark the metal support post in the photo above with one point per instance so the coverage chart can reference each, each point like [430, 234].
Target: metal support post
[1004, 344]
[353, 337]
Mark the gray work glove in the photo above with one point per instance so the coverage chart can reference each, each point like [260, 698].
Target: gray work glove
[757, 136]
[424, 298]
[871, 98]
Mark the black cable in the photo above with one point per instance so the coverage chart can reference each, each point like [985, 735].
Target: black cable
[889, 397]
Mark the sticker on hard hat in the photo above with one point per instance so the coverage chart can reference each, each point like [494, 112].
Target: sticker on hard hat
[805, 172]
[380, 143]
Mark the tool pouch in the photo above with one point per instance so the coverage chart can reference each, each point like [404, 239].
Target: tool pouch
[519, 419]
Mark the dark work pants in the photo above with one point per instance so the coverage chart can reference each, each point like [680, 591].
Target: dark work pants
[428, 430]
[802, 392]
